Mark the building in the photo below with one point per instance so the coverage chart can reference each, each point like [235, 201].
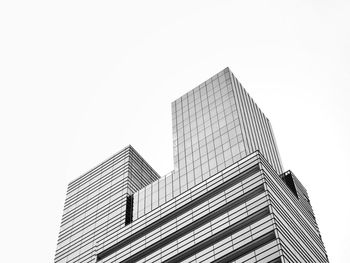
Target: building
[228, 198]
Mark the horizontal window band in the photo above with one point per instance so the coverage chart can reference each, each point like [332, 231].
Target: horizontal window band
[205, 219]
[185, 208]
[245, 222]
[247, 248]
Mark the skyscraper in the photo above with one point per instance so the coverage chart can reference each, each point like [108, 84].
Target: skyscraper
[228, 198]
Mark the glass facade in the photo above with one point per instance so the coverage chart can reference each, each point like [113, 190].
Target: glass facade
[215, 125]
[227, 199]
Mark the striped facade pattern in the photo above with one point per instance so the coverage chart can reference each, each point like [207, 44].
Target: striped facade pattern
[257, 131]
[227, 199]
[96, 202]
[245, 213]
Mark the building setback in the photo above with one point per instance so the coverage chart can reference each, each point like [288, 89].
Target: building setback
[228, 198]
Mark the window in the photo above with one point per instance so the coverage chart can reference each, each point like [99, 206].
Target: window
[129, 209]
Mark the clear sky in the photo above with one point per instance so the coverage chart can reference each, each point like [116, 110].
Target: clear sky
[79, 80]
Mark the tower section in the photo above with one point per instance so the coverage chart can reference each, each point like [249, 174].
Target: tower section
[97, 205]
[215, 125]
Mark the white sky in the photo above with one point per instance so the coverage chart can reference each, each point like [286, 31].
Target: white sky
[79, 80]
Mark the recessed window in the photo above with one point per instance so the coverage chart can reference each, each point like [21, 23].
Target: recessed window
[129, 209]
[288, 180]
